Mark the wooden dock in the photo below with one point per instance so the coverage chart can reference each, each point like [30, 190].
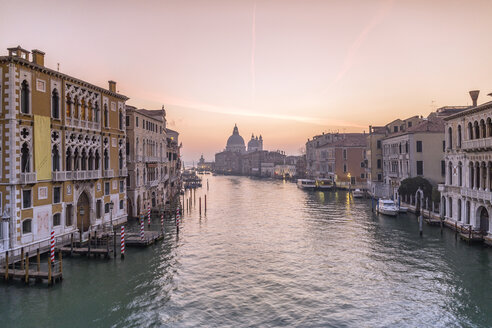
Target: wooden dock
[35, 275]
[133, 239]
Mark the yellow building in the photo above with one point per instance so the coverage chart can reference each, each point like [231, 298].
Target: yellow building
[62, 152]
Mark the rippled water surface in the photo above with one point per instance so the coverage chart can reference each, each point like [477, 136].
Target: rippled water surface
[267, 254]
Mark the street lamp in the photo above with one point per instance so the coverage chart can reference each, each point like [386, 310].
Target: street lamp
[111, 205]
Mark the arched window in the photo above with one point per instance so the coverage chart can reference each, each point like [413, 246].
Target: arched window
[489, 127]
[55, 154]
[106, 116]
[97, 160]
[96, 113]
[459, 137]
[120, 159]
[82, 109]
[459, 209]
[25, 158]
[76, 160]
[76, 107]
[450, 138]
[460, 174]
[68, 161]
[25, 97]
[91, 160]
[450, 173]
[84, 160]
[68, 111]
[483, 133]
[470, 131]
[450, 201]
[443, 205]
[477, 130]
[472, 175]
[106, 160]
[90, 110]
[121, 120]
[55, 104]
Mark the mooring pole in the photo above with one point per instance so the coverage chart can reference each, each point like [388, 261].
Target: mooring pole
[22, 259]
[38, 259]
[114, 243]
[71, 244]
[7, 265]
[205, 204]
[49, 270]
[200, 205]
[27, 268]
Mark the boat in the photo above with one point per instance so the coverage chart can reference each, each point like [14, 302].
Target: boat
[324, 184]
[306, 184]
[387, 207]
[357, 193]
[402, 209]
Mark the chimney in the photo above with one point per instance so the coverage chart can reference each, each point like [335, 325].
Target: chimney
[38, 57]
[112, 86]
[474, 96]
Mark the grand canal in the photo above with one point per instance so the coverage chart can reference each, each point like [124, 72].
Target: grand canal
[267, 254]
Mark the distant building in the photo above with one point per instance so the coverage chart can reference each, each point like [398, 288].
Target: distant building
[338, 156]
[205, 166]
[235, 143]
[255, 144]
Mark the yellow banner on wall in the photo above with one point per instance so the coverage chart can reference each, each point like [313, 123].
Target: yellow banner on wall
[42, 147]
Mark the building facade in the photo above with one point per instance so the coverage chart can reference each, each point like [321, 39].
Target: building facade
[63, 157]
[147, 160]
[466, 193]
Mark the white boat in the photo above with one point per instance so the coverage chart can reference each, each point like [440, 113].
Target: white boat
[306, 184]
[387, 207]
[402, 209]
[324, 184]
[357, 193]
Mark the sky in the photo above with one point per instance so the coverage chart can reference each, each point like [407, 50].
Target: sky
[287, 70]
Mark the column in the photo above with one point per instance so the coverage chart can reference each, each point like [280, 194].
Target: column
[487, 181]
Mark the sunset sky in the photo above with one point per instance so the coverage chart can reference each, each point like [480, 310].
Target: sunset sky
[285, 69]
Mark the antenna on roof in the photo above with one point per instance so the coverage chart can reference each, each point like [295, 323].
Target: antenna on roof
[58, 66]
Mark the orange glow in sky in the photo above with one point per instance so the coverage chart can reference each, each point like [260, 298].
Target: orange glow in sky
[285, 69]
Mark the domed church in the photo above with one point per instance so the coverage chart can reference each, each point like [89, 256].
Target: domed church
[255, 144]
[235, 143]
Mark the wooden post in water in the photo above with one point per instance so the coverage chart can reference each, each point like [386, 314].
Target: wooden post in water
[22, 259]
[89, 245]
[49, 270]
[26, 279]
[205, 204]
[60, 260]
[200, 205]
[207, 184]
[194, 197]
[71, 244]
[38, 260]
[421, 224]
[114, 243]
[7, 265]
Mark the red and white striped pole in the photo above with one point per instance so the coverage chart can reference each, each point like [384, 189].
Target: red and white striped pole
[142, 228]
[162, 223]
[122, 241]
[148, 215]
[52, 247]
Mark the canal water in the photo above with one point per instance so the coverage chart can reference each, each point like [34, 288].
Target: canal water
[267, 254]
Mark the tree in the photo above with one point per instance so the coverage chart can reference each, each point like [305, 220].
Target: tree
[411, 185]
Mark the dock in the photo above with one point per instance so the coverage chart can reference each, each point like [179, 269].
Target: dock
[133, 239]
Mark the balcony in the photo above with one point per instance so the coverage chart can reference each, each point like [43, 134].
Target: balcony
[477, 144]
[123, 172]
[151, 159]
[150, 184]
[82, 124]
[108, 173]
[75, 175]
[28, 177]
[484, 195]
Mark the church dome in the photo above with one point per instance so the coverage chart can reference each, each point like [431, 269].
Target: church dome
[235, 141]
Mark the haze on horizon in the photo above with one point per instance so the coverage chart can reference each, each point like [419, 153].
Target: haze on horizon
[285, 69]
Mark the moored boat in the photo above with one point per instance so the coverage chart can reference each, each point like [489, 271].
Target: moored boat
[306, 184]
[324, 184]
[357, 193]
[387, 207]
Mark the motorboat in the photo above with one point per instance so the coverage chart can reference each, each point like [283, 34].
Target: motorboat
[324, 184]
[357, 193]
[306, 184]
[387, 207]
[402, 209]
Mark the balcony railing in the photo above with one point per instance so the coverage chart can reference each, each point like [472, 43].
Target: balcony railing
[477, 194]
[484, 143]
[123, 172]
[76, 123]
[151, 159]
[150, 184]
[28, 177]
[76, 175]
[108, 173]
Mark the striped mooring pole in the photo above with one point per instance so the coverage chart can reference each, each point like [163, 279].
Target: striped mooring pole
[52, 247]
[177, 219]
[122, 241]
[142, 228]
[162, 223]
[148, 215]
